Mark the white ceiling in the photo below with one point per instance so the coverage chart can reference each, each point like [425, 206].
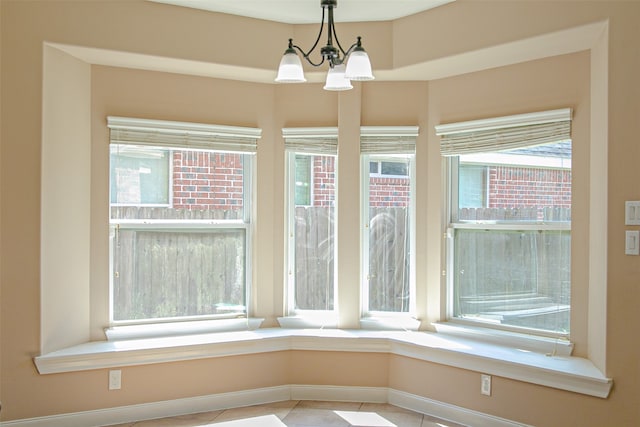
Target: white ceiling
[310, 12]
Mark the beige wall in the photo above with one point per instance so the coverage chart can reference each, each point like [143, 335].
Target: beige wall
[413, 42]
[534, 86]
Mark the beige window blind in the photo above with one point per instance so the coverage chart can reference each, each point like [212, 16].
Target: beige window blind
[311, 140]
[505, 133]
[388, 139]
[160, 133]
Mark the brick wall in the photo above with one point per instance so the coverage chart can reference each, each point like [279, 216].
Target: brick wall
[388, 192]
[323, 177]
[207, 181]
[519, 186]
[385, 192]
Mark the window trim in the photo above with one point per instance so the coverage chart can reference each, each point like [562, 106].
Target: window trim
[370, 316]
[171, 136]
[312, 142]
[387, 142]
[532, 338]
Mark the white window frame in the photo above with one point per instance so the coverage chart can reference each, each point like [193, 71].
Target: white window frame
[526, 338]
[306, 141]
[185, 136]
[456, 224]
[390, 142]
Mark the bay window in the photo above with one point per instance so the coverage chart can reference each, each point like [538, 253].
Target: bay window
[311, 179]
[388, 242]
[509, 230]
[180, 220]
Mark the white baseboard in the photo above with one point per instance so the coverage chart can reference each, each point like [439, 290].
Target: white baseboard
[167, 408]
[339, 393]
[447, 411]
[170, 408]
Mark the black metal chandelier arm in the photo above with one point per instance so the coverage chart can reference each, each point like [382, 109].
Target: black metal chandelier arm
[335, 35]
[306, 56]
[353, 46]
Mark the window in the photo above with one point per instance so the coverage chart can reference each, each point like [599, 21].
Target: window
[388, 167]
[139, 175]
[180, 221]
[472, 185]
[388, 156]
[509, 256]
[303, 179]
[311, 197]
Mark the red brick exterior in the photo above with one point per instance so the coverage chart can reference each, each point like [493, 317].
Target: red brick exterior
[323, 177]
[388, 192]
[384, 192]
[206, 181]
[511, 187]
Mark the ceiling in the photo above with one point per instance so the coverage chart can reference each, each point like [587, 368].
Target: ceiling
[309, 11]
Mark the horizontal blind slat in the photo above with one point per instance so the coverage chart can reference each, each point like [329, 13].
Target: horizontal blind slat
[182, 135]
[398, 145]
[320, 145]
[388, 139]
[501, 139]
[323, 141]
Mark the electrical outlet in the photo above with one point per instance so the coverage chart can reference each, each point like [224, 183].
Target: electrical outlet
[115, 379]
[485, 384]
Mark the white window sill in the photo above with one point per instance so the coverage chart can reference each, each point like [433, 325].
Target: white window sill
[390, 323]
[310, 320]
[538, 344]
[562, 372]
[156, 330]
[329, 320]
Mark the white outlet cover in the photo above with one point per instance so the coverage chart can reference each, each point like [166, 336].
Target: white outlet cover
[115, 379]
[485, 384]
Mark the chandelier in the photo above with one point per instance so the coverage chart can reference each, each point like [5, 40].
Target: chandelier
[344, 66]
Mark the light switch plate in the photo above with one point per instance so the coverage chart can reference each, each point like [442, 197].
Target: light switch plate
[631, 244]
[632, 213]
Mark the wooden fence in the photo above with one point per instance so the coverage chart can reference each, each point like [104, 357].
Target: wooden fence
[388, 259]
[515, 277]
[521, 213]
[165, 273]
[172, 272]
[314, 258]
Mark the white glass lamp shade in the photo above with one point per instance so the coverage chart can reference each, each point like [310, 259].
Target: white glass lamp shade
[336, 80]
[290, 69]
[359, 66]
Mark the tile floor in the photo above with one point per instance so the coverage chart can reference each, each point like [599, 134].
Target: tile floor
[294, 413]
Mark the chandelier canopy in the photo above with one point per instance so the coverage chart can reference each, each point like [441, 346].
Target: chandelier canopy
[344, 66]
